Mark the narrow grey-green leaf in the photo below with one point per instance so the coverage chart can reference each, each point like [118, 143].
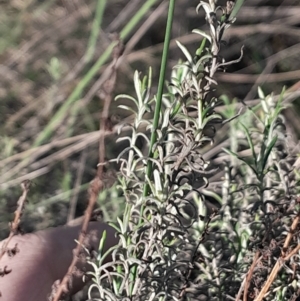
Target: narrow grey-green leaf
[240, 158]
[185, 52]
[268, 151]
[250, 142]
[202, 33]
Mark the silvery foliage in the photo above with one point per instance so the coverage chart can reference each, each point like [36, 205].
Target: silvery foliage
[262, 204]
[157, 252]
[254, 191]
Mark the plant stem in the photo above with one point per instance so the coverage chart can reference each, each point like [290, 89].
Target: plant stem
[160, 90]
[156, 114]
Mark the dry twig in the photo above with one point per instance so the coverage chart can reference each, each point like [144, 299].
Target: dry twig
[280, 261]
[97, 183]
[14, 227]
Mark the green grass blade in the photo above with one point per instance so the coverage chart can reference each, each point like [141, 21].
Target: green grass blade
[76, 94]
[237, 7]
[136, 18]
[95, 29]
[160, 89]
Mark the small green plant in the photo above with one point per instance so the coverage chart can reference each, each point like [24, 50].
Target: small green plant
[173, 246]
[159, 248]
[209, 193]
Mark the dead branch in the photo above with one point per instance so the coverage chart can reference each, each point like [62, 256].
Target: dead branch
[14, 226]
[97, 184]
